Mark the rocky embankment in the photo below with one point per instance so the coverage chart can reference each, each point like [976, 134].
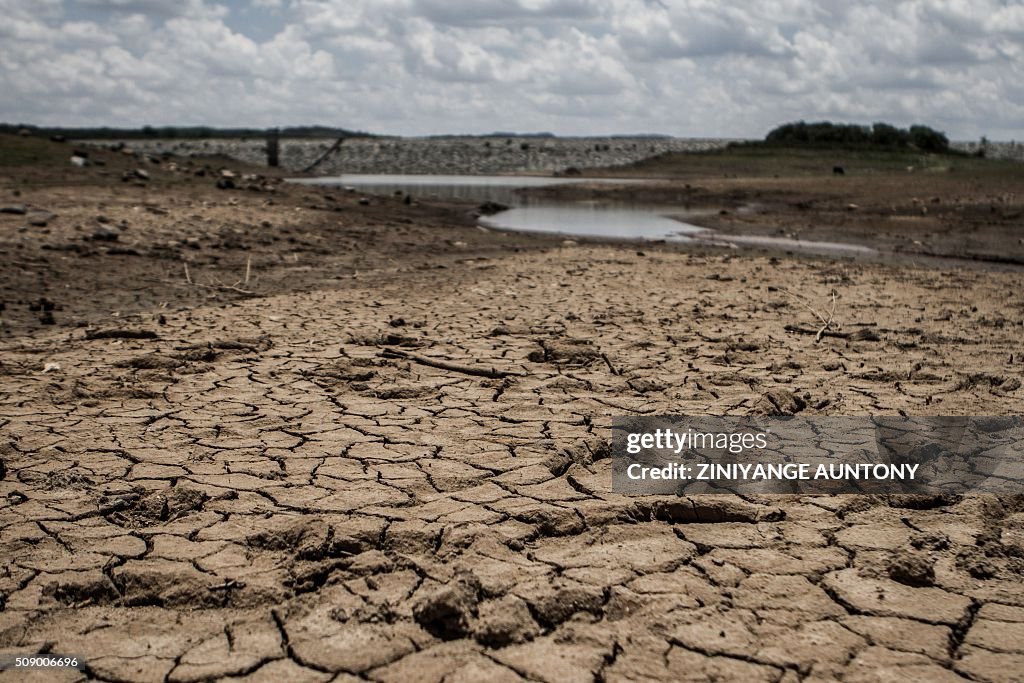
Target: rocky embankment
[461, 155]
[435, 155]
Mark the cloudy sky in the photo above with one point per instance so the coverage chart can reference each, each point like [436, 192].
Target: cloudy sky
[682, 67]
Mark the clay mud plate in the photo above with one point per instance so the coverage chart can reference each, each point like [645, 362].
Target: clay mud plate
[384, 454]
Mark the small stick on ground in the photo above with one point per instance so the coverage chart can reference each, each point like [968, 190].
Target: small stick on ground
[609, 364]
[448, 365]
[188, 278]
[221, 287]
[233, 288]
[831, 313]
[818, 334]
[827, 322]
[248, 269]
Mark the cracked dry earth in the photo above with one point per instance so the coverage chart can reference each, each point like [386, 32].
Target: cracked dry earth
[282, 489]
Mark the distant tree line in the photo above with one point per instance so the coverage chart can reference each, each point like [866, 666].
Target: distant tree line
[178, 132]
[880, 134]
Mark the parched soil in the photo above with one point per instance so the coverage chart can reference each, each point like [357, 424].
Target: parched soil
[384, 454]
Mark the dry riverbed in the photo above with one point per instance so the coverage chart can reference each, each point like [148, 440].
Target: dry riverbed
[366, 440]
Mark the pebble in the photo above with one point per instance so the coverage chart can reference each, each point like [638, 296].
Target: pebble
[105, 234]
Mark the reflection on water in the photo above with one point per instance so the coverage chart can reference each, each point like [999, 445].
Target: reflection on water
[582, 219]
[528, 214]
[592, 220]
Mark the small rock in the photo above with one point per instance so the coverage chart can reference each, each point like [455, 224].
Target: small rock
[46, 318]
[644, 386]
[504, 622]
[447, 611]
[79, 161]
[137, 174]
[977, 564]
[42, 304]
[779, 402]
[912, 569]
[490, 208]
[930, 541]
[123, 251]
[579, 352]
[105, 234]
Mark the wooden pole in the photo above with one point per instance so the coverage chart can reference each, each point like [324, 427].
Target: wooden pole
[273, 146]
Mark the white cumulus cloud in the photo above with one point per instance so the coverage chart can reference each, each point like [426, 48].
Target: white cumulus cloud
[684, 67]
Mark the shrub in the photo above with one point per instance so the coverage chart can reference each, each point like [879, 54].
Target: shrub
[880, 134]
[928, 140]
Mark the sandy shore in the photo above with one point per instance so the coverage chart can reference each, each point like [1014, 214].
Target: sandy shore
[210, 477]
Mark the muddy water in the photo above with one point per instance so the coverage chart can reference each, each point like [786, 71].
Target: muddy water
[527, 214]
[576, 219]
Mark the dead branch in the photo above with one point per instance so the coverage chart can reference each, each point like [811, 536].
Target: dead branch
[827, 322]
[609, 364]
[818, 334]
[477, 371]
[831, 313]
[221, 287]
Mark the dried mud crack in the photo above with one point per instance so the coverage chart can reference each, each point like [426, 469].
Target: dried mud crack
[406, 477]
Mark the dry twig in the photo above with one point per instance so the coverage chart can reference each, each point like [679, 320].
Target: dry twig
[827, 322]
[448, 365]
